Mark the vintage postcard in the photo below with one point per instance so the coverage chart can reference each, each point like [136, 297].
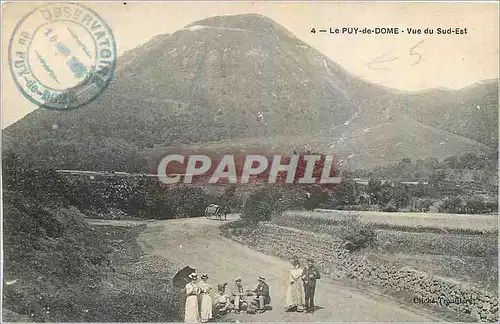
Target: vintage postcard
[227, 161]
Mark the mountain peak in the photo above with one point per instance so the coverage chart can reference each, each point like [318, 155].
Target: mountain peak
[250, 22]
[244, 78]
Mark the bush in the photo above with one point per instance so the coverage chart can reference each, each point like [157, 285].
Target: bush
[144, 198]
[49, 249]
[59, 261]
[262, 203]
[356, 235]
[188, 201]
[229, 200]
[476, 205]
[317, 199]
[422, 205]
[453, 205]
[293, 197]
[390, 209]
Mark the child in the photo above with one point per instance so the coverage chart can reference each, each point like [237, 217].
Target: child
[222, 301]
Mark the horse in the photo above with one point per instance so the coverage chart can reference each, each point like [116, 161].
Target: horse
[212, 210]
[216, 210]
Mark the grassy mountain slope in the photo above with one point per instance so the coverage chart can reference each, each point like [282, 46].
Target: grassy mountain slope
[210, 80]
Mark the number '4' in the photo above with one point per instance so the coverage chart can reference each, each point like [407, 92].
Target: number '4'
[313, 31]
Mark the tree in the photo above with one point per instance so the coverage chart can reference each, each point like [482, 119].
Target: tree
[437, 178]
[261, 204]
[472, 161]
[452, 205]
[431, 163]
[374, 190]
[317, 196]
[420, 190]
[401, 195]
[345, 193]
[451, 162]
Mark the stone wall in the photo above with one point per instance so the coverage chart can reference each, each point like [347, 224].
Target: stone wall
[336, 262]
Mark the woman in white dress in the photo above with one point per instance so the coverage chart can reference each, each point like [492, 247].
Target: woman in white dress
[295, 293]
[191, 314]
[206, 299]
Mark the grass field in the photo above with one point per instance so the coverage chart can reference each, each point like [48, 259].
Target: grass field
[441, 244]
[442, 221]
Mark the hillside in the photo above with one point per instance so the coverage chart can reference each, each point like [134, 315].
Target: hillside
[471, 112]
[210, 80]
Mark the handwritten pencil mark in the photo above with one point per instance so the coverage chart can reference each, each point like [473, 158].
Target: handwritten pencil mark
[416, 53]
[380, 60]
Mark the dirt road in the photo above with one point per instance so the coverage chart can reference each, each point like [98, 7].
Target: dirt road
[197, 242]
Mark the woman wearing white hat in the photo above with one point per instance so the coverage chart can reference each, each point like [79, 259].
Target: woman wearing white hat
[206, 299]
[295, 299]
[191, 314]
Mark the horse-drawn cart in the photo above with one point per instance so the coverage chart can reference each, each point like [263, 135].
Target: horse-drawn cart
[216, 211]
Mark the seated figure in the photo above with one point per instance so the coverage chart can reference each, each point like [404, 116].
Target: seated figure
[222, 302]
[262, 296]
[238, 296]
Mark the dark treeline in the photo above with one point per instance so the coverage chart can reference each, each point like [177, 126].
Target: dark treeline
[147, 198]
[458, 184]
[137, 198]
[394, 196]
[422, 169]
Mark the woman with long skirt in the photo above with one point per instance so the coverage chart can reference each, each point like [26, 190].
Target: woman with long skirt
[295, 299]
[206, 299]
[191, 314]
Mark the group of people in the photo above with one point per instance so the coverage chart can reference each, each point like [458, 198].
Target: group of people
[302, 286]
[202, 307]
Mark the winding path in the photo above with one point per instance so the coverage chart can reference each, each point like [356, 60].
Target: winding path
[197, 242]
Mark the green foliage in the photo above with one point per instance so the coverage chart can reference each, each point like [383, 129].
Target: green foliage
[437, 178]
[356, 234]
[95, 153]
[262, 204]
[430, 168]
[188, 201]
[422, 205]
[230, 201]
[474, 205]
[453, 205]
[152, 300]
[59, 261]
[49, 248]
[449, 178]
[344, 194]
[145, 198]
[400, 195]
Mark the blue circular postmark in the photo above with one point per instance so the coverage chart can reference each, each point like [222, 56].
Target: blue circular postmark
[62, 56]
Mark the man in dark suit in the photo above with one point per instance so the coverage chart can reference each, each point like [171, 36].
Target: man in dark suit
[310, 275]
[262, 294]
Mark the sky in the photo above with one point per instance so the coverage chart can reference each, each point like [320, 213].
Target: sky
[449, 61]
